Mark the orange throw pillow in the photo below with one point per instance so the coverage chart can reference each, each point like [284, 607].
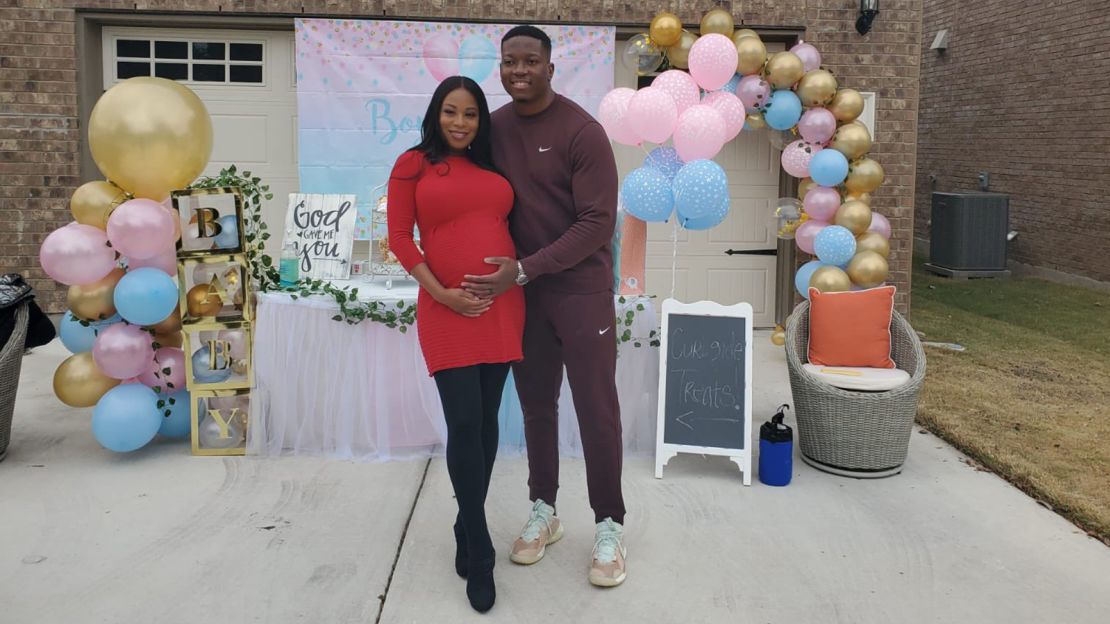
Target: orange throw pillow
[851, 328]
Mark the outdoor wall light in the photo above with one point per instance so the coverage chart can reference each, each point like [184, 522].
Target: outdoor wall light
[868, 9]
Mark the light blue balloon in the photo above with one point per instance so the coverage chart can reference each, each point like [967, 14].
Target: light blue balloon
[783, 110]
[804, 274]
[700, 190]
[145, 296]
[126, 418]
[666, 160]
[732, 84]
[202, 370]
[177, 424]
[78, 337]
[711, 220]
[835, 245]
[828, 167]
[228, 238]
[477, 57]
[646, 194]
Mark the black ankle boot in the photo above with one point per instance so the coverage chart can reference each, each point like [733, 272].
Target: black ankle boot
[462, 560]
[479, 584]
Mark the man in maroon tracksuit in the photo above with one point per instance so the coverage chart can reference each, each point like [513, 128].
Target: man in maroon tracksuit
[561, 166]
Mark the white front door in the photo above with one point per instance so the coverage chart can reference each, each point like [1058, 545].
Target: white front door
[703, 270]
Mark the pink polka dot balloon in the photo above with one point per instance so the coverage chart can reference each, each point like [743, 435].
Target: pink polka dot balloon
[700, 133]
[680, 86]
[796, 156]
[713, 61]
[731, 108]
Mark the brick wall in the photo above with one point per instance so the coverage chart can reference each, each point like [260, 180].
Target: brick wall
[1018, 94]
[39, 119]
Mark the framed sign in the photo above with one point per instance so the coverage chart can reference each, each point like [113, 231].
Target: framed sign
[214, 289]
[323, 231]
[210, 221]
[705, 383]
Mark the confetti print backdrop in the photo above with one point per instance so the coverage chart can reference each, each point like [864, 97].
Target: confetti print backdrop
[363, 86]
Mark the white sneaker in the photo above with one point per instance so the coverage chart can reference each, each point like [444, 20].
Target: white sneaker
[543, 528]
[607, 568]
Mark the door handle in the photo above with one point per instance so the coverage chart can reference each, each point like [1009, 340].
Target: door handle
[752, 252]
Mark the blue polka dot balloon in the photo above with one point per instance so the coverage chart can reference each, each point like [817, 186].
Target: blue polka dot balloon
[665, 160]
[711, 220]
[835, 245]
[646, 195]
[700, 191]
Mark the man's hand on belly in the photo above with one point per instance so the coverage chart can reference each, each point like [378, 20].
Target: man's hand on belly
[492, 284]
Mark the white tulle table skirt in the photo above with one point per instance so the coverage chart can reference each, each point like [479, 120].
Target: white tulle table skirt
[362, 391]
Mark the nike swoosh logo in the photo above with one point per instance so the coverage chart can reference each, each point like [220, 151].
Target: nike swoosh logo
[601, 332]
[545, 149]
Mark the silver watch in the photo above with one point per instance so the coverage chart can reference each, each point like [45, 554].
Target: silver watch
[521, 277]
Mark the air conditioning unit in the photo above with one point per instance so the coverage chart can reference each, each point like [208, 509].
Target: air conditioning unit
[968, 234]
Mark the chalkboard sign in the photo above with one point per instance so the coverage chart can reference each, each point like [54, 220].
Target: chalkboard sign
[705, 394]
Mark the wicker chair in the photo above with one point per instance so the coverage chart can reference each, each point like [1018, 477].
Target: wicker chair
[11, 360]
[856, 434]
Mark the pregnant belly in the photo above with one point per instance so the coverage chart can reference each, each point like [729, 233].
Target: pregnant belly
[454, 254]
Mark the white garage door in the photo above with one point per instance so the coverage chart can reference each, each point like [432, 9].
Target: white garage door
[705, 269]
[247, 81]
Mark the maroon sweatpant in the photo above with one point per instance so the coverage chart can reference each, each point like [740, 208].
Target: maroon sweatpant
[577, 331]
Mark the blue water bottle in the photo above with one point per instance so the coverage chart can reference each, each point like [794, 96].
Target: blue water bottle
[776, 450]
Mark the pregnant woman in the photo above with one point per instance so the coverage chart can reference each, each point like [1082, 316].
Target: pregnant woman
[448, 188]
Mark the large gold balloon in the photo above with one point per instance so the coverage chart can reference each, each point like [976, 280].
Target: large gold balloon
[852, 139]
[171, 323]
[854, 215]
[751, 55]
[846, 105]
[830, 279]
[864, 176]
[873, 241]
[717, 21]
[817, 88]
[92, 202]
[665, 30]
[79, 383]
[200, 302]
[171, 339]
[742, 33]
[679, 53]
[868, 269]
[93, 302]
[863, 197]
[756, 121]
[784, 69]
[150, 136]
[804, 187]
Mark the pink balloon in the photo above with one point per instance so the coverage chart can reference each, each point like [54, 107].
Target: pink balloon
[879, 224]
[807, 233]
[796, 156]
[166, 358]
[700, 133]
[817, 125]
[613, 116]
[441, 56]
[713, 61]
[141, 228]
[237, 342]
[122, 351]
[821, 203]
[731, 108]
[754, 92]
[811, 58]
[680, 86]
[652, 114]
[165, 260]
[77, 254]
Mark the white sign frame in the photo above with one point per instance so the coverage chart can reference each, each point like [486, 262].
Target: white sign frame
[340, 231]
[664, 451]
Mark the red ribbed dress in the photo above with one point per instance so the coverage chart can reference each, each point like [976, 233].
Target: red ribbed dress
[462, 212]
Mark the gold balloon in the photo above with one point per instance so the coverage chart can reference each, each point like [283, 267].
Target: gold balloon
[171, 339]
[171, 323]
[873, 241]
[200, 302]
[854, 215]
[92, 202]
[864, 176]
[679, 53]
[150, 136]
[817, 88]
[830, 279]
[742, 33]
[846, 105]
[852, 139]
[717, 21]
[784, 69]
[79, 383]
[93, 302]
[665, 30]
[778, 338]
[756, 121]
[863, 197]
[868, 269]
[804, 187]
[751, 55]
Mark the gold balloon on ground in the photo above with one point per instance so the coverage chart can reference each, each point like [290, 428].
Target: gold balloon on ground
[846, 105]
[93, 202]
[854, 215]
[94, 302]
[830, 279]
[679, 53]
[868, 269]
[778, 338]
[150, 136]
[784, 69]
[852, 139]
[873, 241]
[751, 54]
[864, 176]
[717, 21]
[665, 30]
[79, 383]
[816, 88]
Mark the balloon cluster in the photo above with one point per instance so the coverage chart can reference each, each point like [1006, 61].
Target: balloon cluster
[148, 136]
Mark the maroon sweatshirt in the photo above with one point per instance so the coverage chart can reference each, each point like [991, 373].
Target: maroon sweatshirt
[564, 175]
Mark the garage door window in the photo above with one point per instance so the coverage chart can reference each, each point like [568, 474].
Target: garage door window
[201, 61]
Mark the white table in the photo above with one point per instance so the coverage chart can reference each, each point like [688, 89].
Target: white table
[324, 387]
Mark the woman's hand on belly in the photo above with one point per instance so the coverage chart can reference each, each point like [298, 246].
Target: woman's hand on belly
[463, 302]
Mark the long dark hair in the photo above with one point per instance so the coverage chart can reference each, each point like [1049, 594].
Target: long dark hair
[435, 147]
